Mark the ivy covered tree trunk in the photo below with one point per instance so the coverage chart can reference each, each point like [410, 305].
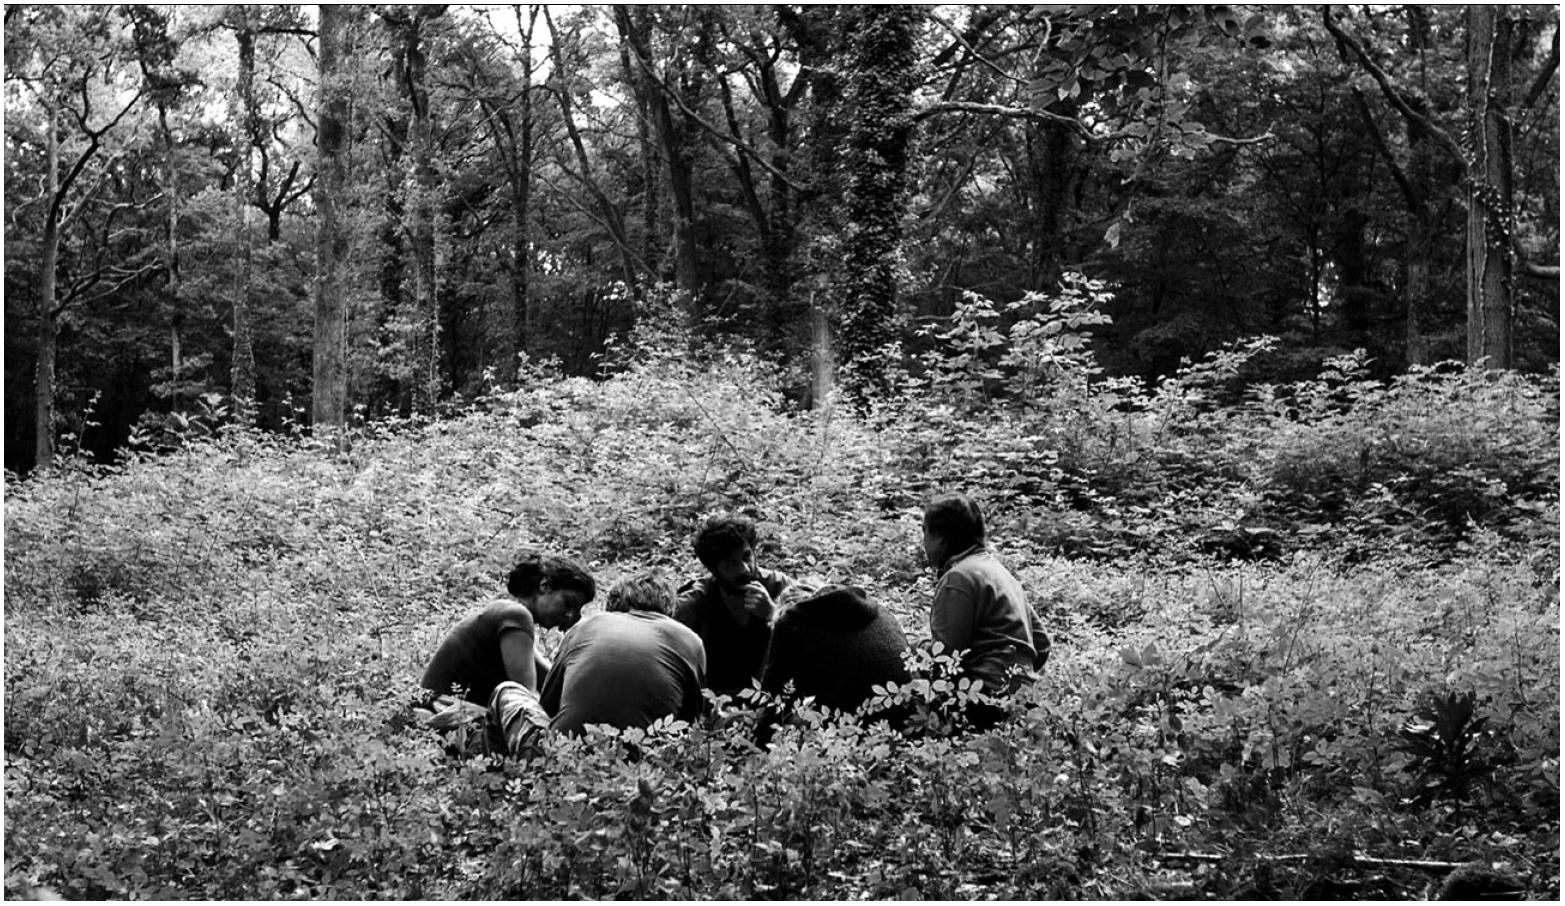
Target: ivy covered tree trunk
[243, 366]
[48, 331]
[821, 33]
[881, 75]
[420, 204]
[1490, 209]
[329, 390]
[171, 258]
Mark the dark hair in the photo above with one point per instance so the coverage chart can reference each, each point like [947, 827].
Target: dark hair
[956, 520]
[651, 592]
[532, 569]
[723, 534]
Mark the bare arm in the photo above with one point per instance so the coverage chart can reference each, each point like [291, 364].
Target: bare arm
[516, 652]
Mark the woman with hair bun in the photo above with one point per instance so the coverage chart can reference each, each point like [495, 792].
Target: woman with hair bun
[490, 657]
[495, 644]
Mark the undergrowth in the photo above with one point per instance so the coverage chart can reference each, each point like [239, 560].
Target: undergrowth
[1295, 625]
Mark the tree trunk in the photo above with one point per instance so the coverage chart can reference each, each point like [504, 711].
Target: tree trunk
[1489, 196]
[329, 391]
[171, 259]
[420, 213]
[43, 387]
[1420, 255]
[881, 78]
[651, 196]
[521, 201]
[823, 365]
[635, 27]
[243, 368]
[1053, 159]
[613, 221]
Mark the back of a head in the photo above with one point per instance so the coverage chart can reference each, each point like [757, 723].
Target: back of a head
[956, 519]
[830, 608]
[650, 592]
[533, 568]
[721, 535]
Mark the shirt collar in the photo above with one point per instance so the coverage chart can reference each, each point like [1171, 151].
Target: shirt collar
[952, 560]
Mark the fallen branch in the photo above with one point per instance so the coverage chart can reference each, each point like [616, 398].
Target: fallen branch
[1358, 859]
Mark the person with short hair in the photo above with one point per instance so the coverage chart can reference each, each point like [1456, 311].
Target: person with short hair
[979, 609]
[629, 666]
[731, 608]
[835, 645]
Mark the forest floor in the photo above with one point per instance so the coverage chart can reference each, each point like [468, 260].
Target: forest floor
[1302, 654]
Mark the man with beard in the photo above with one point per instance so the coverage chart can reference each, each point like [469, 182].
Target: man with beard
[731, 608]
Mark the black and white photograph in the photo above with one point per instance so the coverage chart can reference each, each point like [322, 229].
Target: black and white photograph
[824, 452]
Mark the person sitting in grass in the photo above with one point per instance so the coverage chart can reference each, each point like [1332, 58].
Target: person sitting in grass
[492, 651]
[979, 609]
[628, 666]
[834, 644]
[730, 609]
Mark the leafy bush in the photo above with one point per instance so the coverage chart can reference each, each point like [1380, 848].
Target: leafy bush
[1251, 592]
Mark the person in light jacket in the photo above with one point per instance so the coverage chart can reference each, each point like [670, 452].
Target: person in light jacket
[979, 609]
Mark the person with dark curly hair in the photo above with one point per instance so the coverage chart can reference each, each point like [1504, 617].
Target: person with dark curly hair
[979, 609]
[731, 607]
[628, 666]
[495, 644]
[491, 660]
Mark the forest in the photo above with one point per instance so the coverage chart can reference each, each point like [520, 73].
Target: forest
[391, 212]
[1240, 323]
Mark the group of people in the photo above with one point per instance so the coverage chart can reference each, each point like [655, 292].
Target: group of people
[653, 648]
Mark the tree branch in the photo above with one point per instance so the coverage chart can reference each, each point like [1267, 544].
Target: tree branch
[79, 287]
[1546, 74]
[962, 40]
[1450, 144]
[696, 118]
[1026, 113]
[1414, 203]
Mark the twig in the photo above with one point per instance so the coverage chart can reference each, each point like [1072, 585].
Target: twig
[721, 434]
[1359, 859]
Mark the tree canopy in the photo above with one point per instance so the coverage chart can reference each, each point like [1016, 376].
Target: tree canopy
[393, 216]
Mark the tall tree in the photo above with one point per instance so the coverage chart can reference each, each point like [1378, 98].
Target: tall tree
[1490, 194]
[882, 72]
[563, 49]
[85, 96]
[503, 90]
[409, 69]
[167, 87]
[245, 120]
[1483, 164]
[653, 89]
[329, 387]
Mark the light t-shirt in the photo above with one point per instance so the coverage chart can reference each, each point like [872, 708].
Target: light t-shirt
[627, 670]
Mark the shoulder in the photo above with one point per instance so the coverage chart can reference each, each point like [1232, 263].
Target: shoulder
[962, 575]
[694, 589]
[506, 613]
[673, 633]
[672, 627]
[692, 599]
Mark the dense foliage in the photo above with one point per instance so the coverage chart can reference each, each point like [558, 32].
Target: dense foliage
[1306, 635]
[815, 180]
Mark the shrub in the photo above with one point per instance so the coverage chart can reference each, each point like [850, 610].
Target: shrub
[208, 650]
